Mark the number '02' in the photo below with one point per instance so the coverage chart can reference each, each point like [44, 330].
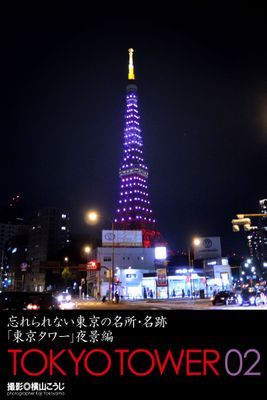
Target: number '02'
[240, 357]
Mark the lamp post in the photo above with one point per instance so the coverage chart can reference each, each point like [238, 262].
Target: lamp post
[189, 256]
[66, 260]
[87, 250]
[93, 217]
[193, 243]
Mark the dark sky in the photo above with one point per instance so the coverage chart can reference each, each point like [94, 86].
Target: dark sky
[202, 80]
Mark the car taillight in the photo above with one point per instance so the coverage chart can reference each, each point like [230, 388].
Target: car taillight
[32, 307]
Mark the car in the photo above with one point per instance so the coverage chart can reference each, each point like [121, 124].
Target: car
[251, 296]
[42, 301]
[19, 301]
[224, 297]
[64, 297]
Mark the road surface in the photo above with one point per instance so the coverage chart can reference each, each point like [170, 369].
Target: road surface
[153, 304]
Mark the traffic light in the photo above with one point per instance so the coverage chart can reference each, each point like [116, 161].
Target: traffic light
[245, 222]
[247, 227]
[241, 221]
[236, 228]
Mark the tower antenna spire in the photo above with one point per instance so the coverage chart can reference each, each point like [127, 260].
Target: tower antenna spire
[131, 66]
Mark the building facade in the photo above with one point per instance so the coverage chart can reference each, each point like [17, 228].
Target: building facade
[136, 275]
[257, 240]
[48, 238]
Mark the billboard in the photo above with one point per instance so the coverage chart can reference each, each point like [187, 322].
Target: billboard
[23, 267]
[122, 238]
[162, 277]
[208, 247]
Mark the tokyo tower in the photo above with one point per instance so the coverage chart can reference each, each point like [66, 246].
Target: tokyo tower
[134, 210]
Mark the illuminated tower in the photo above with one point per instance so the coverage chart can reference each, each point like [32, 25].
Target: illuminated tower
[134, 211]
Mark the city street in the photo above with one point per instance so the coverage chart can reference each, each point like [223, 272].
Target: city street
[188, 304]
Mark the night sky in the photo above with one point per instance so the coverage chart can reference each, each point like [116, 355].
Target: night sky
[202, 85]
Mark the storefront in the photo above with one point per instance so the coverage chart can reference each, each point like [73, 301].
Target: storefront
[136, 284]
[185, 285]
[149, 287]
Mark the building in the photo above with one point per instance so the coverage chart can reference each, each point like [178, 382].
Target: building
[48, 238]
[49, 235]
[130, 265]
[9, 231]
[257, 240]
[11, 212]
[13, 238]
[136, 275]
[218, 275]
[12, 252]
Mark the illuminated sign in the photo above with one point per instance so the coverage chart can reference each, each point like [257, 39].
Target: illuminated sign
[122, 238]
[93, 265]
[225, 278]
[160, 253]
[208, 247]
[23, 266]
[130, 276]
[162, 277]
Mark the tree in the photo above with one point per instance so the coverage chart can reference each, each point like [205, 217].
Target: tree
[67, 275]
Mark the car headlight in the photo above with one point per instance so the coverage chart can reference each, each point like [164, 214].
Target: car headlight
[60, 297]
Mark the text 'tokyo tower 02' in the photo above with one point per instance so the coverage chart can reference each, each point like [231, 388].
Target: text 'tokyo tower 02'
[134, 211]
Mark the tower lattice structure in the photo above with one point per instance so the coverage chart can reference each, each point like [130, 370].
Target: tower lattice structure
[134, 210]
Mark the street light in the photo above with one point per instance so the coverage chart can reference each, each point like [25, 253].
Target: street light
[93, 217]
[87, 250]
[197, 243]
[194, 243]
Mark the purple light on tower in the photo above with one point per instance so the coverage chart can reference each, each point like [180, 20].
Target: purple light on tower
[134, 209]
